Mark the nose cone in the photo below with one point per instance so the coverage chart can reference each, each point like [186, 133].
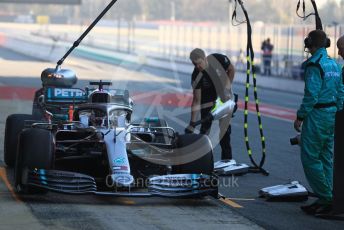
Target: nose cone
[122, 180]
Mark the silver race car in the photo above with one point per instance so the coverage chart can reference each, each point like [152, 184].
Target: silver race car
[83, 141]
[98, 150]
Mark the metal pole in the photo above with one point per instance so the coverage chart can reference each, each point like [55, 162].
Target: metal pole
[173, 11]
[303, 35]
[185, 39]
[200, 36]
[230, 10]
[209, 38]
[177, 44]
[291, 43]
[133, 36]
[118, 33]
[128, 36]
[276, 62]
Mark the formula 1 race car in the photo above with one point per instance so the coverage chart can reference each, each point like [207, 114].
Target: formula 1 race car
[84, 142]
[100, 151]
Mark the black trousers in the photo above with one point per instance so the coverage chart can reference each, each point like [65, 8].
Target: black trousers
[225, 133]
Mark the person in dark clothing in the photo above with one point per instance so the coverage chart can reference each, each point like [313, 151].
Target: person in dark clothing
[212, 78]
[340, 46]
[267, 48]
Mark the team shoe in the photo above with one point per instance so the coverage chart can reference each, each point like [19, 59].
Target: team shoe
[323, 209]
[310, 209]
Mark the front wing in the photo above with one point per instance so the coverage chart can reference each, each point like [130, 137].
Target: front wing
[173, 185]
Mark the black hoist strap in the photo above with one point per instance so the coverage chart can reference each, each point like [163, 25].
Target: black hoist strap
[250, 66]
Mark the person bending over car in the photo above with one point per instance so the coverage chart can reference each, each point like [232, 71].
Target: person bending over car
[211, 78]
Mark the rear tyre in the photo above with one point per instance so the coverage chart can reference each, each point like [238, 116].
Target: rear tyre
[204, 164]
[14, 125]
[36, 150]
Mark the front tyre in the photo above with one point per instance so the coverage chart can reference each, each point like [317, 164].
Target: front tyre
[35, 150]
[14, 125]
[204, 164]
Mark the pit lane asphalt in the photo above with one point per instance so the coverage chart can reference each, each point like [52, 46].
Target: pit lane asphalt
[85, 212]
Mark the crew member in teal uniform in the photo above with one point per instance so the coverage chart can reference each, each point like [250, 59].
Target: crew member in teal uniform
[323, 96]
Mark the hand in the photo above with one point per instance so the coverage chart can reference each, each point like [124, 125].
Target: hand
[297, 125]
[190, 128]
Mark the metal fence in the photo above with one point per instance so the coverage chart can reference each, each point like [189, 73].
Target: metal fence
[176, 41]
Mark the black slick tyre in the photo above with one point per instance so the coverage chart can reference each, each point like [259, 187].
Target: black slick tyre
[13, 127]
[36, 150]
[204, 164]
